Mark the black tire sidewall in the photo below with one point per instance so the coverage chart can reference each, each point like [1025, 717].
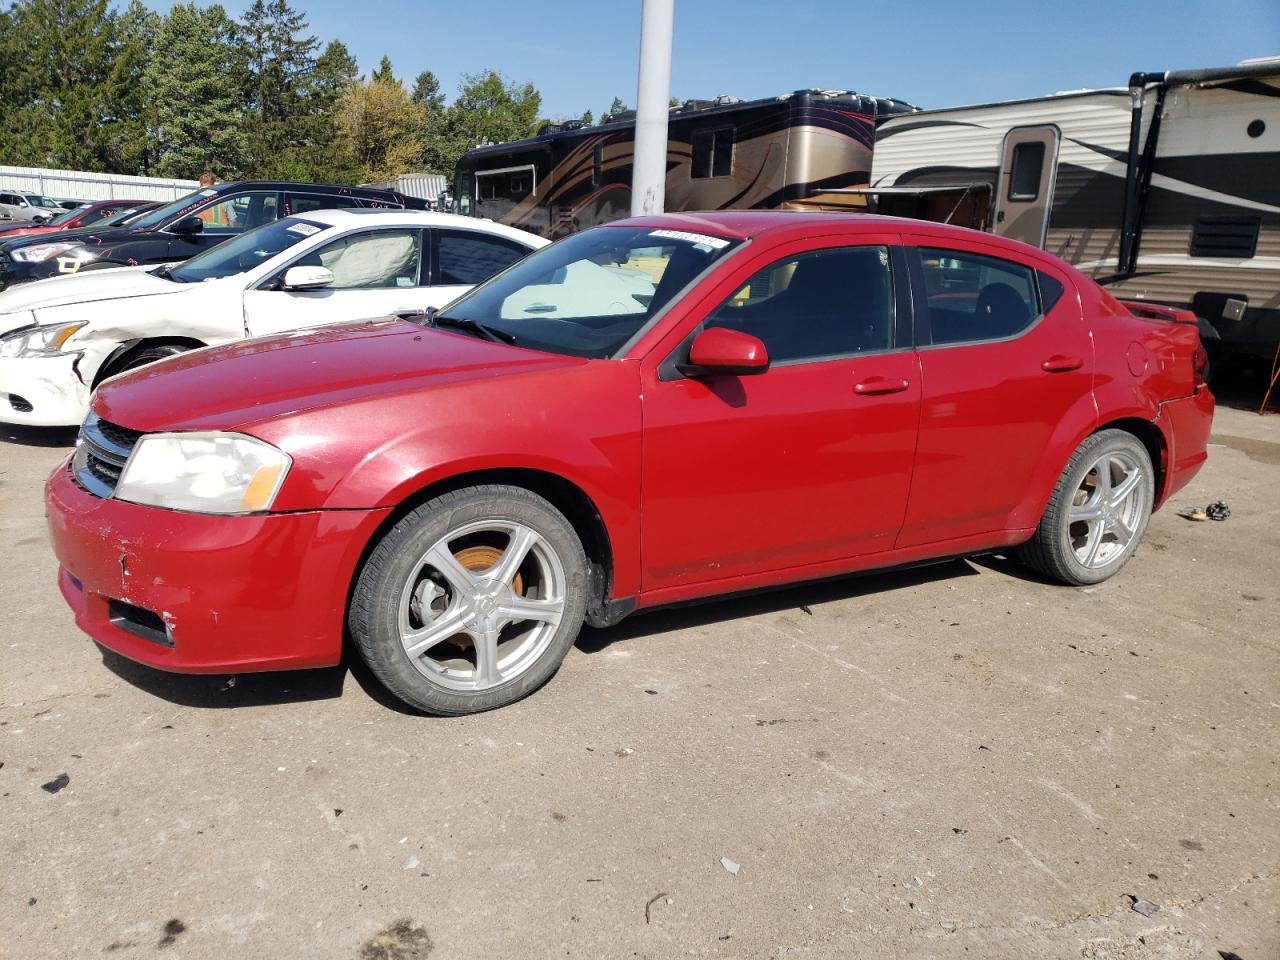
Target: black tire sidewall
[374, 615]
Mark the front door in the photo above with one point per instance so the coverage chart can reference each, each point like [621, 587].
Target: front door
[375, 273]
[1024, 195]
[805, 463]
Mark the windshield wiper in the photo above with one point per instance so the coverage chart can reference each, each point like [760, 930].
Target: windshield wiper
[164, 273]
[471, 326]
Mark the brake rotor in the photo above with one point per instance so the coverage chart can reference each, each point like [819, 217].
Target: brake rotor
[477, 558]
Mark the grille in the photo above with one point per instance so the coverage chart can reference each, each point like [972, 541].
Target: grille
[103, 451]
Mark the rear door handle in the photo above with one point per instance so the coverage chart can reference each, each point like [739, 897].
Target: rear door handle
[875, 386]
[1061, 364]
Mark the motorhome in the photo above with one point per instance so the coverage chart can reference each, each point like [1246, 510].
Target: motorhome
[789, 151]
[1167, 190]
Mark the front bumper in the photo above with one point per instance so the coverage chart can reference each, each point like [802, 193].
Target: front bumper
[42, 391]
[226, 594]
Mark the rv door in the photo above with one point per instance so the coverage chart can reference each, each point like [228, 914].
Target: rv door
[1028, 165]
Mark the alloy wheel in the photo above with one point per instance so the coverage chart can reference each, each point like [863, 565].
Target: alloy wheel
[1107, 510]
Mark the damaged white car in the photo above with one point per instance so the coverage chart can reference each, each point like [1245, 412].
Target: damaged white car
[61, 337]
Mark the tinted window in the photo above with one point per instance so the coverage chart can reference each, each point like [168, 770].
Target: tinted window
[712, 153]
[365, 261]
[306, 202]
[972, 297]
[1051, 291]
[508, 185]
[828, 303]
[469, 258]
[1024, 178]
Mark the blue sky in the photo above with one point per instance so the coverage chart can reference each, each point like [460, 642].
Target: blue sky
[581, 54]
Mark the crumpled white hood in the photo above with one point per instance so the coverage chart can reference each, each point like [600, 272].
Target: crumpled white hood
[113, 284]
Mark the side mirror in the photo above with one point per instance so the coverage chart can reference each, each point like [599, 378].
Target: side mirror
[307, 278]
[188, 226]
[719, 351]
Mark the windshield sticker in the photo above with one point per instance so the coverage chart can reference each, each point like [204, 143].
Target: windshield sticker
[305, 229]
[208, 193]
[698, 239]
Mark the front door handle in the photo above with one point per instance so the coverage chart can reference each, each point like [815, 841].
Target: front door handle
[1061, 364]
[875, 386]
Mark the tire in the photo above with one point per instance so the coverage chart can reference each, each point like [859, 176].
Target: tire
[436, 609]
[141, 356]
[1086, 535]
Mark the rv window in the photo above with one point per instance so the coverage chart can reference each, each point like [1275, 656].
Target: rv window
[712, 153]
[1024, 178]
[973, 298]
[513, 185]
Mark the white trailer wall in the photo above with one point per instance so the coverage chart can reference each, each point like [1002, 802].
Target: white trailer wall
[82, 185]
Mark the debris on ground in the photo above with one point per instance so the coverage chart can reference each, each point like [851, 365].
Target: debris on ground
[730, 865]
[1193, 513]
[625, 751]
[1218, 510]
[948, 925]
[649, 906]
[172, 930]
[56, 784]
[1144, 907]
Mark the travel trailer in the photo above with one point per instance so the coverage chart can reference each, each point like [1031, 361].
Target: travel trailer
[789, 152]
[1167, 190]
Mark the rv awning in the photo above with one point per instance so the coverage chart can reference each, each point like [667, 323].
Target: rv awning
[912, 191]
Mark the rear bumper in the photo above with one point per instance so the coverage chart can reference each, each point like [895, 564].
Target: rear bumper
[48, 386]
[226, 594]
[1187, 424]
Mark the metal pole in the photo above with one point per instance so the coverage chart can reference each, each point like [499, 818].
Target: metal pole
[649, 168]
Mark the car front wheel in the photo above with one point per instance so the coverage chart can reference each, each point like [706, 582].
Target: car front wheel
[470, 601]
[1098, 511]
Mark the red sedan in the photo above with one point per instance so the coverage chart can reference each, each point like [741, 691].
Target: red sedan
[652, 411]
[76, 219]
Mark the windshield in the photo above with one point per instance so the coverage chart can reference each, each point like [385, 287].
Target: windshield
[125, 216]
[162, 213]
[246, 251]
[60, 220]
[590, 293]
[37, 201]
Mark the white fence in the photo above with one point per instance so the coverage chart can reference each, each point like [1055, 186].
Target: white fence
[82, 185]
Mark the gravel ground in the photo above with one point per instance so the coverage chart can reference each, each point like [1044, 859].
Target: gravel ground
[954, 761]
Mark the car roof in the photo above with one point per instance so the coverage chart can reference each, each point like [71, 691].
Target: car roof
[797, 224]
[364, 217]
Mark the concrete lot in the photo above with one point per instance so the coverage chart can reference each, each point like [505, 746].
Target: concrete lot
[960, 761]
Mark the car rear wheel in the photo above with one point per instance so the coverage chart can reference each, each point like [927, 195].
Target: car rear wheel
[1098, 511]
[471, 601]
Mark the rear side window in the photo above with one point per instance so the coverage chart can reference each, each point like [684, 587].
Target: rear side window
[1051, 291]
[299, 203]
[827, 303]
[468, 257]
[973, 298]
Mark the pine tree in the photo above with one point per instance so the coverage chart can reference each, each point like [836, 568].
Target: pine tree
[616, 107]
[426, 91]
[132, 111]
[279, 60]
[587, 119]
[384, 73]
[195, 85]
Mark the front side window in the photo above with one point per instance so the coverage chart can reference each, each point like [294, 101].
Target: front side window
[712, 153]
[826, 303]
[590, 293]
[1024, 177]
[466, 257]
[245, 251]
[372, 260]
[238, 213]
[972, 297]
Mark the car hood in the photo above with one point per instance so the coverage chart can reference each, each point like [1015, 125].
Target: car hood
[85, 235]
[88, 287]
[237, 385]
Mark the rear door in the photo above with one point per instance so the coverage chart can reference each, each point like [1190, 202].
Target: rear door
[1004, 357]
[375, 273]
[1024, 195]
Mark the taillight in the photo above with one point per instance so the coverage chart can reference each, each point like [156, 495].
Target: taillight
[1200, 364]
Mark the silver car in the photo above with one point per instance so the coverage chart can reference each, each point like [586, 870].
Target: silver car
[27, 206]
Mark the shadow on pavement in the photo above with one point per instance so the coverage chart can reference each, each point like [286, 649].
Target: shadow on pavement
[39, 436]
[768, 600]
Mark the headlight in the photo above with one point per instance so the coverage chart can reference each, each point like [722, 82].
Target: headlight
[203, 473]
[38, 253]
[38, 341]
